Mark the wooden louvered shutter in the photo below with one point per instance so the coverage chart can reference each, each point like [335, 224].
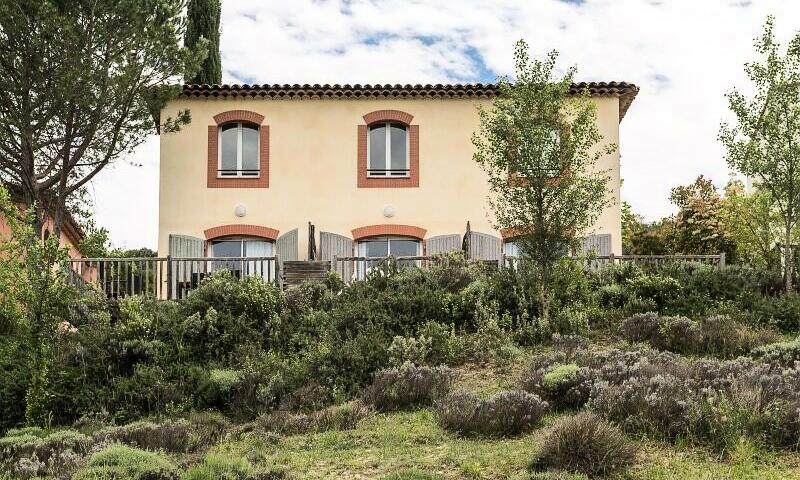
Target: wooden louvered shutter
[332, 244]
[483, 246]
[443, 244]
[286, 245]
[599, 244]
[182, 246]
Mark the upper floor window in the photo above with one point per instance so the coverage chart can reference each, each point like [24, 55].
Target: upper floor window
[388, 150]
[239, 150]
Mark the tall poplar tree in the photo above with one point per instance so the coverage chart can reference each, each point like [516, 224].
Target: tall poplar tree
[764, 144]
[540, 146]
[203, 23]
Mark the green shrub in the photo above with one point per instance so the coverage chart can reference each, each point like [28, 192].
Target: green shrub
[723, 336]
[559, 376]
[783, 354]
[664, 291]
[207, 427]
[613, 295]
[718, 335]
[219, 467]
[408, 386]
[505, 413]
[585, 443]
[119, 462]
[414, 350]
[170, 435]
[19, 445]
[308, 398]
[340, 417]
[779, 311]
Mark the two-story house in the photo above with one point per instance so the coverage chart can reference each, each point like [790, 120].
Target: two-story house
[377, 169]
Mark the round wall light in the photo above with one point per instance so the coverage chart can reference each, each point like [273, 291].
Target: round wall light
[388, 211]
[240, 210]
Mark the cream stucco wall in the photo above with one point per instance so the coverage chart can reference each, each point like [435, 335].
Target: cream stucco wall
[312, 177]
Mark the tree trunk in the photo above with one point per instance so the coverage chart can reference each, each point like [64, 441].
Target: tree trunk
[788, 259]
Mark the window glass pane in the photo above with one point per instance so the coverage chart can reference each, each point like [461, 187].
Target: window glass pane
[249, 148]
[376, 248]
[403, 248]
[257, 248]
[377, 149]
[228, 141]
[398, 146]
[227, 248]
[512, 249]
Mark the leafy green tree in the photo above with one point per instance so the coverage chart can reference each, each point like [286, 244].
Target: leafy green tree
[36, 295]
[540, 147]
[203, 23]
[699, 226]
[754, 225]
[764, 144]
[82, 81]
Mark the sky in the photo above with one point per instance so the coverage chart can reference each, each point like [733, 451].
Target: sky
[685, 55]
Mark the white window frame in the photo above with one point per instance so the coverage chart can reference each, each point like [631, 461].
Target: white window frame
[389, 240]
[388, 157]
[241, 241]
[239, 143]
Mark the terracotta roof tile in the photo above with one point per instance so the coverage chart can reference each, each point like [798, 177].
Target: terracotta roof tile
[625, 91]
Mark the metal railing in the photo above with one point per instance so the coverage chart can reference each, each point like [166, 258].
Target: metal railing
[165, 277]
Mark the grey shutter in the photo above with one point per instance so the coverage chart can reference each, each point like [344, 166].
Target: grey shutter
[483, 246]
[599, 244]
[332, 244]
[443, 244]
[183, 273]
[286, 245]
[181, 246]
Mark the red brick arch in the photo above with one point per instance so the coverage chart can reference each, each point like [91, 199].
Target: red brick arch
[387, 116]
[239, 116]
[241, 230]
[398, 230]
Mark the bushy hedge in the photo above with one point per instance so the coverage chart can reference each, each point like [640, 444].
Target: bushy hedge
[660, 394]
[717, 335]
[245, 348]
[505, 413]
[585, 443]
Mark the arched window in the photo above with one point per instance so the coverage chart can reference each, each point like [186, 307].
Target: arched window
[238, 150]
[239, 154]
[388, 150]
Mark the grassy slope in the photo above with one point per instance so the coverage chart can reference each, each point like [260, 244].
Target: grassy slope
[412, 440]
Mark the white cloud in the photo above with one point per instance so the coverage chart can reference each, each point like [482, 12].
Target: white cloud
[684, 54]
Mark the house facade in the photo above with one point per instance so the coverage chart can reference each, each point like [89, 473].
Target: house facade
[312, 172]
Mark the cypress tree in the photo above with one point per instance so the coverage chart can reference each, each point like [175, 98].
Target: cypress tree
[203, 22]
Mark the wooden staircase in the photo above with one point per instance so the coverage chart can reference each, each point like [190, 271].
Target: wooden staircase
[296, 272]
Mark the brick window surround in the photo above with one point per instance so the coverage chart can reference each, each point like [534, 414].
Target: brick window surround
[241, 230]
[394, 230]
[213, 181]
[413, 151]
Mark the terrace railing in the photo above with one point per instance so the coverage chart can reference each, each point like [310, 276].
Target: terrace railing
[165, 277]
[360, 268]
[599, 261]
